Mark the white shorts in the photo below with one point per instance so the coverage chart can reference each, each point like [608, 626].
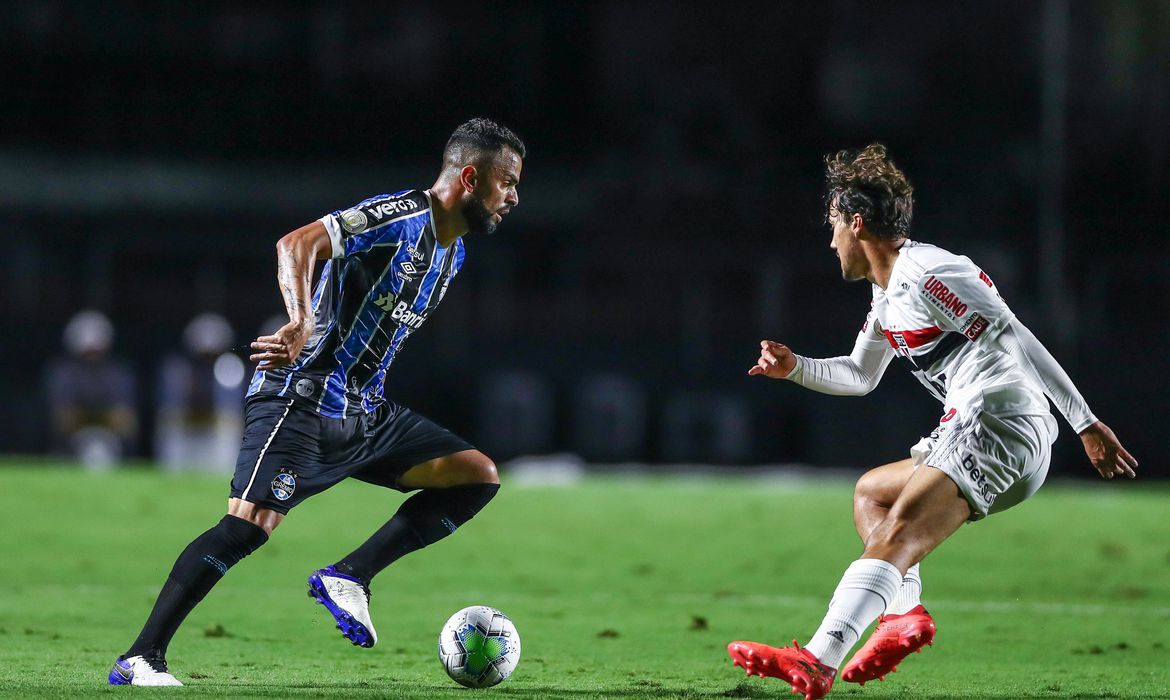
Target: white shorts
[996, 461]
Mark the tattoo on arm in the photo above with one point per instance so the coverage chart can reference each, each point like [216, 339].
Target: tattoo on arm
[294, 282]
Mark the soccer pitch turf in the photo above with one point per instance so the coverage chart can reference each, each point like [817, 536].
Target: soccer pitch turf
[620, 588]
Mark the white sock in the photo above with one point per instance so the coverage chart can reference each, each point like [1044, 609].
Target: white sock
[865, 590]
[909, 595]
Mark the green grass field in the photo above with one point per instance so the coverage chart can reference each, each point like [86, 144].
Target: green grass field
[620, 588]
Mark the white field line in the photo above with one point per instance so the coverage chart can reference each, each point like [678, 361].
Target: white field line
[769, 600]
[731, 599]
[991, 606]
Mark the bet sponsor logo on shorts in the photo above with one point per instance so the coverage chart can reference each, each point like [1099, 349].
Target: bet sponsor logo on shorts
[978, 479]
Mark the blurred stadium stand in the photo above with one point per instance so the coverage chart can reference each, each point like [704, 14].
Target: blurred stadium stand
[670, 209]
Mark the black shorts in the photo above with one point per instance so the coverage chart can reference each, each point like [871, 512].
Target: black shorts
[291, 452]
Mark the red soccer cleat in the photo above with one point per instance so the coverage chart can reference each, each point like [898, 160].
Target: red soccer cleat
[894, 638]
[796, 666]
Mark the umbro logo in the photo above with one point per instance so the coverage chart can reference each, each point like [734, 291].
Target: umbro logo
[406, 271]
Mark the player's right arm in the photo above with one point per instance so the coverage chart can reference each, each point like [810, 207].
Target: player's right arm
[856, 374]
[372, 222]
[297, 254]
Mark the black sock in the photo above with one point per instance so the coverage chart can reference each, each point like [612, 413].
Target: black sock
[201, 565]
[425, 518]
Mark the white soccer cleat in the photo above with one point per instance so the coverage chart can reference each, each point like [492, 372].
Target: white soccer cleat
[137, 670]
[348, 600]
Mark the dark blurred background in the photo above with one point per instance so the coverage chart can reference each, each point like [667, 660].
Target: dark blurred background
[151, 154]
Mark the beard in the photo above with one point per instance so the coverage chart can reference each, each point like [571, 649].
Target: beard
[478, 218]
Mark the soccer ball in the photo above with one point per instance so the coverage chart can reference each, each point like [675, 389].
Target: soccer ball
[479, 646]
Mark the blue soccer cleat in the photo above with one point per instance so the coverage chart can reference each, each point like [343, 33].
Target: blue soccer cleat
[137, 670]
[348, 599]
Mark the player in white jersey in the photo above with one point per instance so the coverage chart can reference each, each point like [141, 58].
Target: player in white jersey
[990, 450]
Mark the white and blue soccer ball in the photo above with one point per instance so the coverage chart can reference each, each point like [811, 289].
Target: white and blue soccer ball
[479, 647]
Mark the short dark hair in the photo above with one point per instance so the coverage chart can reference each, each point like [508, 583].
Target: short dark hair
[478, 137]
[867, 182]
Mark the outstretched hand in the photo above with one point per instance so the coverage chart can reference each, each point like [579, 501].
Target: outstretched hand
[283, 346]
[1109, 458]
[776, 360]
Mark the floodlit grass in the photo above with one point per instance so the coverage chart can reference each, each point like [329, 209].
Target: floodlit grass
[620, 588]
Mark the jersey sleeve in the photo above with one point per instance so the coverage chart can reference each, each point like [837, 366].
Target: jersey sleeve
[854, 375]
[373, 222]
[871, 334]
[960, 297]
[1031, 354]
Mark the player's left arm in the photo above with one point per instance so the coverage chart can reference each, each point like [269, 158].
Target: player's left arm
[297, 254]
[1104, 450]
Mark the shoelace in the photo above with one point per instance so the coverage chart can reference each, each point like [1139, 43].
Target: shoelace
[156, 664]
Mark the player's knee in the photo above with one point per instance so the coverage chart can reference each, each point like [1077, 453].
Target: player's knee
[485, 472]
[264, 524]
[869, 487]
[263, 518]
[262, 521]
[471, 468]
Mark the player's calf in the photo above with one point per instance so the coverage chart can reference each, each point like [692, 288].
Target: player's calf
[199, 567]
[425, 518]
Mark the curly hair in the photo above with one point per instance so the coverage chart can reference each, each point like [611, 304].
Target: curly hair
[867, 182]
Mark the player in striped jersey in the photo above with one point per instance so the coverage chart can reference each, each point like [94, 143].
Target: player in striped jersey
[316, 412]
[989, 452]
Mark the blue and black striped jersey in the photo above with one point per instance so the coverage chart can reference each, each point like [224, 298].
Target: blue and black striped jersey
[387, 275]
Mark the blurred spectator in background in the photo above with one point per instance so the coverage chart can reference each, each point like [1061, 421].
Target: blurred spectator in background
[91, 395]
[198, 426]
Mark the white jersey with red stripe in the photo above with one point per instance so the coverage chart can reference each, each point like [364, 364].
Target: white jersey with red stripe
[940, 312]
